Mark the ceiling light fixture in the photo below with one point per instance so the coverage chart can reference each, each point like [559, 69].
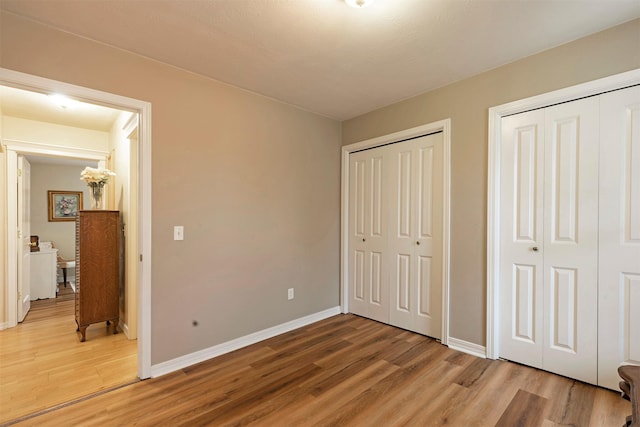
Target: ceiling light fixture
[62, 101]
[359, 4]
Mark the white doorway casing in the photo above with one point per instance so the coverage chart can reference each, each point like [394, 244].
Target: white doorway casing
[443, 126]
[495, 198]
[11, 148]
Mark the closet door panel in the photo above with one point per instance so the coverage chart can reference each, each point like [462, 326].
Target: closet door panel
[563, 296]
[427, 177]
[563, 153]
[378, 298]
[403, 182]
[357, 240]
[427, 307]
[619, 234]
[521, 267]
[570, 249]
[416, 242]
[377, 295]
[429, 237]
[631, 319]
[404, 233]
[358, 277]
[368, 281]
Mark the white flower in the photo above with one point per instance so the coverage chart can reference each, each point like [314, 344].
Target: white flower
[93, 176]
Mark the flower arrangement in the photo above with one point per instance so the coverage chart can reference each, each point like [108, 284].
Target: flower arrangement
[96, 178]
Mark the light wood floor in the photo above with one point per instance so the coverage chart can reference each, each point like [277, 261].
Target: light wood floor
[43, 363]
[349, 371]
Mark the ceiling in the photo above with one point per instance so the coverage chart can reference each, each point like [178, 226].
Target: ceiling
[40, 107]
[324, 56]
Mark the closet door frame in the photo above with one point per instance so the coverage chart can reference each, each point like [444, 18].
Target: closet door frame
[617, 81]
[443, 126]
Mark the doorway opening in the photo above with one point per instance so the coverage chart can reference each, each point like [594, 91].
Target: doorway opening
[134, 196]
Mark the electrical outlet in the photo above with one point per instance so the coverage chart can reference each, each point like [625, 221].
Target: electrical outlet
[290, 293]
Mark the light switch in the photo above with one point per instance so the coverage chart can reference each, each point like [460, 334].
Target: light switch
[178, 232]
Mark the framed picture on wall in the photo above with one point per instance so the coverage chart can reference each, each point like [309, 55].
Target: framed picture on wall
[64, 205]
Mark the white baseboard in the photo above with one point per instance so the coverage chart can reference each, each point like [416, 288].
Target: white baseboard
[125, 328]
[467, 347]
[3, 326]
[229, 346]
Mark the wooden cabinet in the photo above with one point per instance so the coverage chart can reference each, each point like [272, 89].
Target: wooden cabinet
[97, 268]
[43, 274]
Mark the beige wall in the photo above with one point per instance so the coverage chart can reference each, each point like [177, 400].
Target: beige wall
[255, 183]
[3, 235]
[466, 103]
[46, 177]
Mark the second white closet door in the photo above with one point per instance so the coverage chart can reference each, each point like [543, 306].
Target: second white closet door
[619, 234]
[570, 249]
[416, 235]
[549, 253]
[396, 234]
[368, 229]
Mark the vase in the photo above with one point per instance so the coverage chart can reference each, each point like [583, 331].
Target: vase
[96, 196]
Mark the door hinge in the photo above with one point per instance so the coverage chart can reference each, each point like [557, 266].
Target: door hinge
[19, 172]
[19, 234]
[19, 295]
[140, 257]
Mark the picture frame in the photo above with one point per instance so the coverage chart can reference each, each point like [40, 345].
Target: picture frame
[64, 205]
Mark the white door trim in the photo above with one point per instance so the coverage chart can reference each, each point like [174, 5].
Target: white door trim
[443, 126]
[43, 85]
[617, 81]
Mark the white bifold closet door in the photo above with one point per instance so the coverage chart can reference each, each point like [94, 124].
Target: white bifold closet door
[549, 239]
[619, 234]
[415, 241]
[396, 234]
[570, 261]
[368, 234]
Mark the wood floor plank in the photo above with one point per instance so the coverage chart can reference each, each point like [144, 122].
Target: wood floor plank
[494, 395]
[450, 400]
[328, 403]
[525, 410]
[607, 407]
[575, 405]
[347, 371]
[428, 377]
[43, 363]
[378, 404]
